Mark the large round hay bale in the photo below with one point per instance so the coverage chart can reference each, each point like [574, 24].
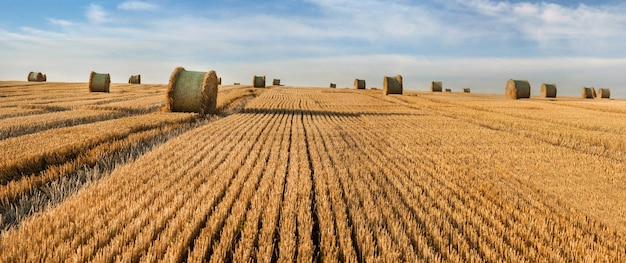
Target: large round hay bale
[258, 81]
[517, 89]
[333, 85]
[392, 85]
[588, 93]
[604, 93]
[45, 78]
[359, 84]
[548, 90]
[466, 90]
[134, 79]
[276, 82]
[35, 76]
[192, 91]
[99, 82]
[436, 86]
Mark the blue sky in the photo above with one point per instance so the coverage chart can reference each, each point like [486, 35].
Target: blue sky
[472, 43]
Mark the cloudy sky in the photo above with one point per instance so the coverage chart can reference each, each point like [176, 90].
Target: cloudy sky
[464, 43]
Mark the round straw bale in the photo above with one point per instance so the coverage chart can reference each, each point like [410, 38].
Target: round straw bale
[392, 85]
[333, 85]
[548, 90]
[236, 83]
[588, 93]
[99, 82]
[258, 81]
[45, 78]
[604, 93]
[517, 89]
[219, 81]
[436, 86]
[359, 84]
[276, 82]
[134, 79]
[35, 76]
[466, 90]
[192, 91]
[448, 90]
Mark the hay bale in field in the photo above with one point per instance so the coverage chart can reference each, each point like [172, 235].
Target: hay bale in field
[258, 81]
[359, 84]
[392, 85]
[604, 93]
[588, 92]
[134, 79]
[236, 83]
[517, 89]
[192, 91]
[35, 76]
[548, 90]
[219, 81]
[276, 82]
[99, 82]
[333, 85]
[436, 86]
[45, 78]
[466, 90]
[448, 90]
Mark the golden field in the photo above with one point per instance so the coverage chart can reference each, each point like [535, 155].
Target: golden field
[306, 174]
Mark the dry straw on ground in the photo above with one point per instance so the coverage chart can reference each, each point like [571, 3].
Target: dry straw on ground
[258, 81]
[35, 76]
[359, 84]
[276, 82]
[517, 89]
[134, 79]
[392, 85]
[466, 90]
[333, 85]
[604, 93]
[192, 91]
[436, 86]
[588, 93]
[99, 82]
[548, 90]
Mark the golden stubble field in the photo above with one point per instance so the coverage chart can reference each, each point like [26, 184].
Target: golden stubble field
[285, 174]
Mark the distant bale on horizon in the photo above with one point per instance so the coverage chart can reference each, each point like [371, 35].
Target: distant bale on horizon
[604, 93]
[276, 82]
[466, 90]
[258, 81]
[448, 90]
[436, 86]
[392, 85]
[359, 84]
[517, 89]
[35, 77]
[548, 90]
[45, 78]
[588, 93]
[134, 79]
[333, 85]
[99, 82]
[192, 91]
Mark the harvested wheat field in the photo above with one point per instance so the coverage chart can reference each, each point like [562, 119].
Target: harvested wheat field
[309, 174]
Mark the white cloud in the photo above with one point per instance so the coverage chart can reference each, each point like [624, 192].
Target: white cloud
[61, 22]
[95, 14]
[137, 6]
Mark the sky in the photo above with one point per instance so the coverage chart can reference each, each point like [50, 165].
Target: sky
[478, 44]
